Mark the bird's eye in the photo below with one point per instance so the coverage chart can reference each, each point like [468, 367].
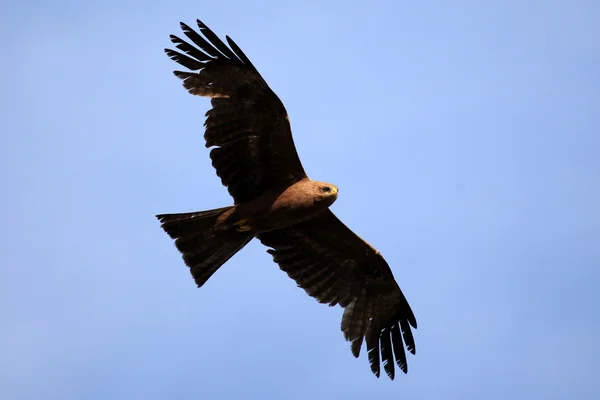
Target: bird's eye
[326, 189]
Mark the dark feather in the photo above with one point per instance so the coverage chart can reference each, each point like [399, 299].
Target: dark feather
[399, 349]
[387, 355]
[184, 60]
[214, 39]
[408, 336]
[241, 55]
[190, 50]
[372, 339]
[199, 41]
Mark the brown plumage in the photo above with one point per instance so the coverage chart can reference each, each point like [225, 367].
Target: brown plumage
[274, 200]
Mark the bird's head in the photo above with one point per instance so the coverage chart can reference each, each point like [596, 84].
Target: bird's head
[326, 193]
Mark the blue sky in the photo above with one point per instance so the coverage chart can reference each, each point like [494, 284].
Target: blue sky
[464, 137]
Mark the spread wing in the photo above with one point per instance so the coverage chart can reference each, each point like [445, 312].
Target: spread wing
[248, 124]
[335, 266]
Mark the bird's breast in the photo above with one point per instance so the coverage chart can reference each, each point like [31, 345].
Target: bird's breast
[279, 210]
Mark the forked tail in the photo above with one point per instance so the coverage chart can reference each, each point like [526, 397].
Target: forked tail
[203, 250]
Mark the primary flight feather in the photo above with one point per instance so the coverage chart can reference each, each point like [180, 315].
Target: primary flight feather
[275, 201]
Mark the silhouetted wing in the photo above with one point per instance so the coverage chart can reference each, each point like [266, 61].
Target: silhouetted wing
[248, 124]
[335, 266]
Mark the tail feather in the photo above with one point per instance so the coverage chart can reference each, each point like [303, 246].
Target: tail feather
[178, 225]
[203, 251]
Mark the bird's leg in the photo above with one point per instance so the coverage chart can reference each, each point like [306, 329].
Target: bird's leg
[242, 225]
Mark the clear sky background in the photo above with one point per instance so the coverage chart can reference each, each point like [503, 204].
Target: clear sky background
[464, 137]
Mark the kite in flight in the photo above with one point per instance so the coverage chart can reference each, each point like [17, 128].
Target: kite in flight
[275, 201]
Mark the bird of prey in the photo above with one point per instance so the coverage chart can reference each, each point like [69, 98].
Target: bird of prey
[275, 201]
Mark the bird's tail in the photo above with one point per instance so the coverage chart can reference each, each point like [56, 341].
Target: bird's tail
[204, 249]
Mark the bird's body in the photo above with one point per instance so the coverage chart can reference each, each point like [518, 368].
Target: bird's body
[276, 202]
[277, 209]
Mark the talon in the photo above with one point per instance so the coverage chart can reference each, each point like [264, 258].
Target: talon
[242, 225]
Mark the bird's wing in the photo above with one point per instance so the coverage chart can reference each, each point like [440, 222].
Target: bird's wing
[247, 125]
[335, 266]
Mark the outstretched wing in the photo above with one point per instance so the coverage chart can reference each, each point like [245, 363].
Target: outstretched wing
[248, 124]
[335, 266]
